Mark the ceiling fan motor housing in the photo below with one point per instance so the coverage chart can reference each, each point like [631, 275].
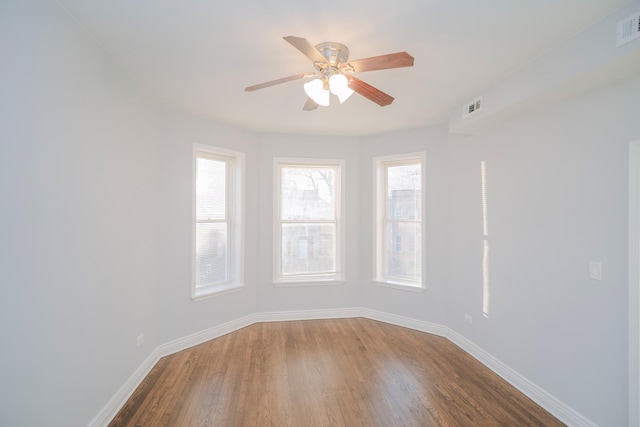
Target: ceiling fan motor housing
[336, 53]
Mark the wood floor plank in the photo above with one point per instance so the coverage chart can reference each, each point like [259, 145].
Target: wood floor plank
[339, 372]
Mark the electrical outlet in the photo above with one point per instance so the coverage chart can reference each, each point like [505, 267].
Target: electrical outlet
[595, 270]
[468, 319]
[140, 339]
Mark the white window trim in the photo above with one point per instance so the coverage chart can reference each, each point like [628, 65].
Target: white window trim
[236, 215]
[309, 280]
[379, 207]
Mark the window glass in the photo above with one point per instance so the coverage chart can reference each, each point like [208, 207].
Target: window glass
[399, 238]
[308, 226]
[217, 228]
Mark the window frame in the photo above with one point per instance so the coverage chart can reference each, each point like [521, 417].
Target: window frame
[337, 277]
[380, 167]
[235, 200]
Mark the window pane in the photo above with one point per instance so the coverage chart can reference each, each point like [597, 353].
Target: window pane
[403, 250]
[211, 189]
[308, 248]
[211, 253]
[403, 192]
[307, 193]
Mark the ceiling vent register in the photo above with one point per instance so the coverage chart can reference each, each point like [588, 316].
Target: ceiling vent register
[628, 29]
[472, 107]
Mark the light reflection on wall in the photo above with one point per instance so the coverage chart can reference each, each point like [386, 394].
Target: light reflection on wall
[486, 300]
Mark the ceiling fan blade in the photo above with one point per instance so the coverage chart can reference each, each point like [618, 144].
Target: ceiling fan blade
[306, 48]
[370, 92]
[278, 81]
[310, 105]
[382, 62]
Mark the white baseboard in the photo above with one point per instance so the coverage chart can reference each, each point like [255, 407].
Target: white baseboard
[285, 316]
[205, 335]
[543, 398]
[557, 408]
[405, 322]
[110, 410]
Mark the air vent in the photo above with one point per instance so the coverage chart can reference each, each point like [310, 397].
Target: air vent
[472, 107]
[628, 29]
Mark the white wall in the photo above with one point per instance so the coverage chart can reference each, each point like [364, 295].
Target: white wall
[556, 198]
[269, 297]
[429, 305]
[78, 186]
[96, 189]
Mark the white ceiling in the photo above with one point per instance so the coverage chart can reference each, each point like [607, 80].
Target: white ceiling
[198, 55]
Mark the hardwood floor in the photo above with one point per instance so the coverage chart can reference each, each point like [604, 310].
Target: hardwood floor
[341, 372]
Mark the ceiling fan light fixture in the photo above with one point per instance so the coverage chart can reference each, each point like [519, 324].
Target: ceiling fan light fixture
[334, 75]
[315, 90]
[339, 86]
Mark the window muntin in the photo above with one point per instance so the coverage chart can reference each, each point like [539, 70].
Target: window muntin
[308, 221]
[399, 223]
[218, 217]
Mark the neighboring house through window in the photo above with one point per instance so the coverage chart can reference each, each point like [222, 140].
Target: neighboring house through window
[308, 232]
[399, 204]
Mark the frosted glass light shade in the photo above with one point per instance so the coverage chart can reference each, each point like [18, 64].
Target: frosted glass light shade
[339, 86]
[316, 91]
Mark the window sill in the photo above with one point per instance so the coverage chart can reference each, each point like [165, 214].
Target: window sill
[215, 291]
[310, 282]
[418, 289]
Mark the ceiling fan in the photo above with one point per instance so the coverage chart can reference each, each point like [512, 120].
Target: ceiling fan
[335, 75]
